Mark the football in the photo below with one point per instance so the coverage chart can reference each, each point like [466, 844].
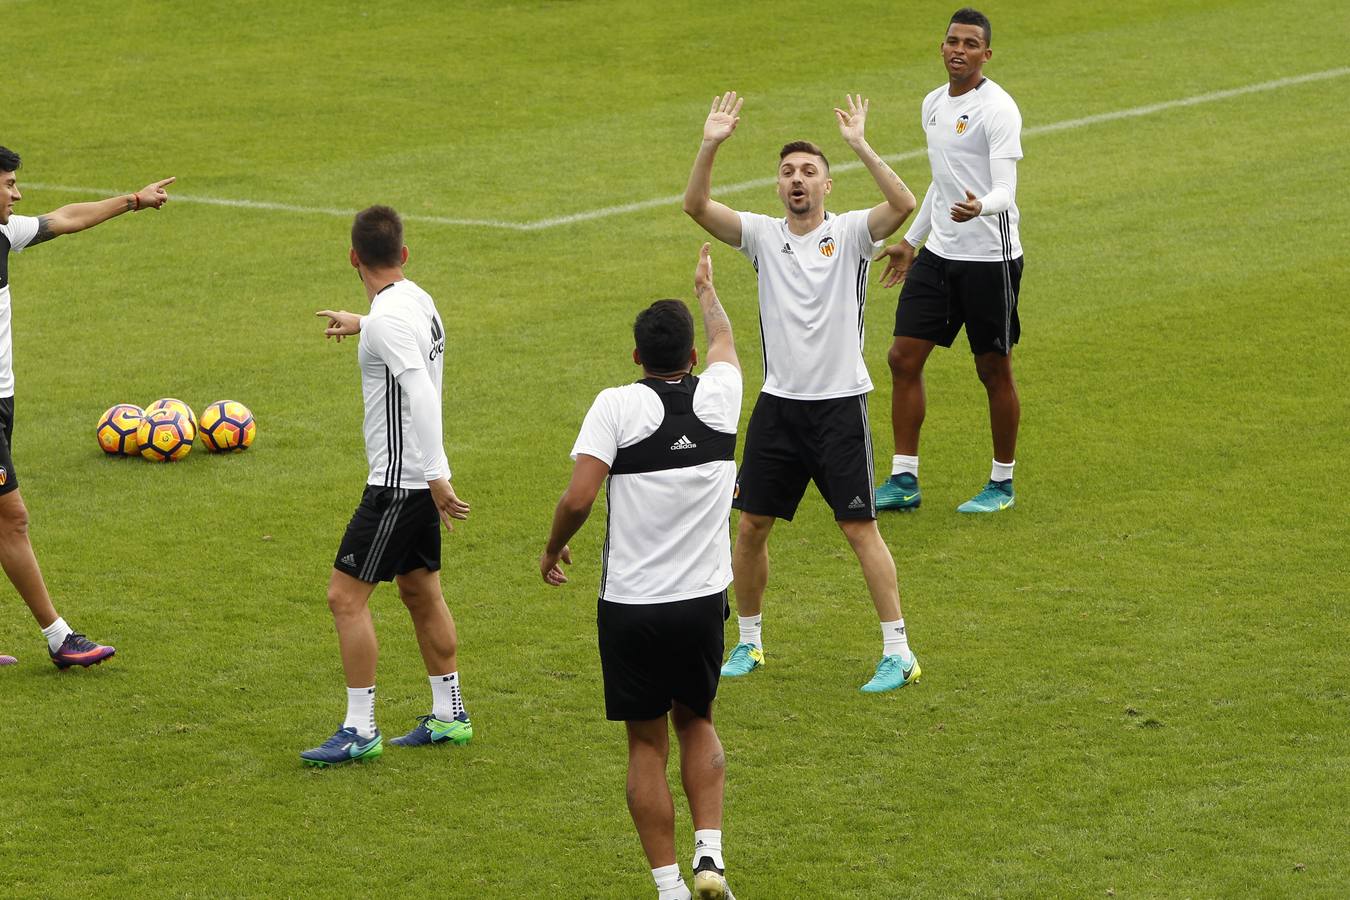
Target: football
[165, 435]
[116, 431]
[174, 403]
[227, 426]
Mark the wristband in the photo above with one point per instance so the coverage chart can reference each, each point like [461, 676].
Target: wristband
[136, 201]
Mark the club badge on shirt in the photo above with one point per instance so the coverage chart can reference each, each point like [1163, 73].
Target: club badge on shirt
[961, 124]
[827, 246]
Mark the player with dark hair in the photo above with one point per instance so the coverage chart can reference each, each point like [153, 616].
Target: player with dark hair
[394, 535]
[665, 448]
[969, 271]
[65, 646]
[810, 421]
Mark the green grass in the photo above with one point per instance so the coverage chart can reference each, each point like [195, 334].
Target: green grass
[1134, 682]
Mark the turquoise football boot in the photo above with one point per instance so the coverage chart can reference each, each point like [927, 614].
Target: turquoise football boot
[996, 495]
[899, 492]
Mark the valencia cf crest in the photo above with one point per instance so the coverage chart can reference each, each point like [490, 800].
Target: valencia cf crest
[827, 246]
[962, 124]
[4, 476]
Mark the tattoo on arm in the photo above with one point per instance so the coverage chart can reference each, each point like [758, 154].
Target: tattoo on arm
[715, 321]
[44, 232]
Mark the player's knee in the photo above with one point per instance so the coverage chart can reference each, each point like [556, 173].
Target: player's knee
[14, 519]
[904, 364]
[754, 530]
[340, 602]
[994, 373]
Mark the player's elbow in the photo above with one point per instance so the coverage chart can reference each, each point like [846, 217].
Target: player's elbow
[694, 207]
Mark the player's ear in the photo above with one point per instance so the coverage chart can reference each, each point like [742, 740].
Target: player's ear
[693, 358]
[637, 360]
[829, 185]
[403, 256]
[355, 260]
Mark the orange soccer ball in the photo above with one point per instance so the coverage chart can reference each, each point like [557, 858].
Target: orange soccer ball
[117, 430]
[228, 426]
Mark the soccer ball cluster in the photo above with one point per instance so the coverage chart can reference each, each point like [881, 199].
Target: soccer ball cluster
[165, 430]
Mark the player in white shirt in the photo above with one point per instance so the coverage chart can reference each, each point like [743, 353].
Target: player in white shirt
[665, 448]
[65, 646]
[394, 535]
[810, 421]
[969, 271]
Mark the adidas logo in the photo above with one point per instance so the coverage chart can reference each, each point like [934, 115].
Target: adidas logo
[856, 503]
[349, 559]
[933, 121]
[787, 248]
[683, 444]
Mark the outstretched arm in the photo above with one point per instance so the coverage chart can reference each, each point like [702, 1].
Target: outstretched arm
[75, 217]
[718, 219]
[884, 218]
[716, 325]
[574, 507]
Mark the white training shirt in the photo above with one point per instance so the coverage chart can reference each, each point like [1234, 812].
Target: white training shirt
[668, 536]
[402, 332]
[812, 290]
[964, 133]
[15, 234]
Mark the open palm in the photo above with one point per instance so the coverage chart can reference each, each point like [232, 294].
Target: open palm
[722, 119]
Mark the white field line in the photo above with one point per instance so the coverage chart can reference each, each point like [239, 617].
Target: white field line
[737, 187]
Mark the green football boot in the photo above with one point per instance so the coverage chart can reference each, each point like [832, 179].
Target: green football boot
[899, 492]
[744, 659]
[893, 672]
[996, 495]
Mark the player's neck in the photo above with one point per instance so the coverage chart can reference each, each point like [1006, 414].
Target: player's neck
[805, 223]
[956, 88]
[377, 280]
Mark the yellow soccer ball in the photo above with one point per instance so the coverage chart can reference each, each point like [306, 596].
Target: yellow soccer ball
[165, 435]
[227, 425]
[173, 403]
[116, 431]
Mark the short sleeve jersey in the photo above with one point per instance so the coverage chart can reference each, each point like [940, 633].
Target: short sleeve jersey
[15, 234]
[668, 535]
[402, 332]
[964, 133]
[812, 292]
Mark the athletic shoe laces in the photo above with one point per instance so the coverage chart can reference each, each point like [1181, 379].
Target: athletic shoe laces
[78, 642]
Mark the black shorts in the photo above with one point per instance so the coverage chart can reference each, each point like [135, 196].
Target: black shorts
[654, 654]
[792, 442]
[9, 479]
[940, 295]
[393, 532]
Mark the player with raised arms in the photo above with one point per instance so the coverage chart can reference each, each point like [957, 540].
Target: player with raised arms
[666, 449]
[969, 271]
[394, 535]
[810, 421]
[65, 646]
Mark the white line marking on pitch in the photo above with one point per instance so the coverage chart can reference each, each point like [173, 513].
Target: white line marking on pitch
[737, 187]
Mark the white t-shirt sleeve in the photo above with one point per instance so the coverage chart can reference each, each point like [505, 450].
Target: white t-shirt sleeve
[392, 339]
[752, 232]
[859, 235]
[717, 401]
[599, 436]
[20, 230]
[1004, 129]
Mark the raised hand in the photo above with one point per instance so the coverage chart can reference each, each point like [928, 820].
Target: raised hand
[703, 274]
[154, 195]
[899, 258]
[722, 119]
[340, 323]
[851, 123]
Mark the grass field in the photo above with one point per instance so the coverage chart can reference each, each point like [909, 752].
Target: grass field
[1135, 682]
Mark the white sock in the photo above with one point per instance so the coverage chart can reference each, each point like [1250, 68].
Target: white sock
[751, 628]
[908, 464]
[361, 711]
[708, 842]
[446, 702]
[1002, 471]
[55, 634]
[669, 884]
[894, 641]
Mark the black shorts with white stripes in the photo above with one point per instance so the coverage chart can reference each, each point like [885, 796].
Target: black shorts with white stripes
[940, 295]
[393, 532]
[791, 443]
